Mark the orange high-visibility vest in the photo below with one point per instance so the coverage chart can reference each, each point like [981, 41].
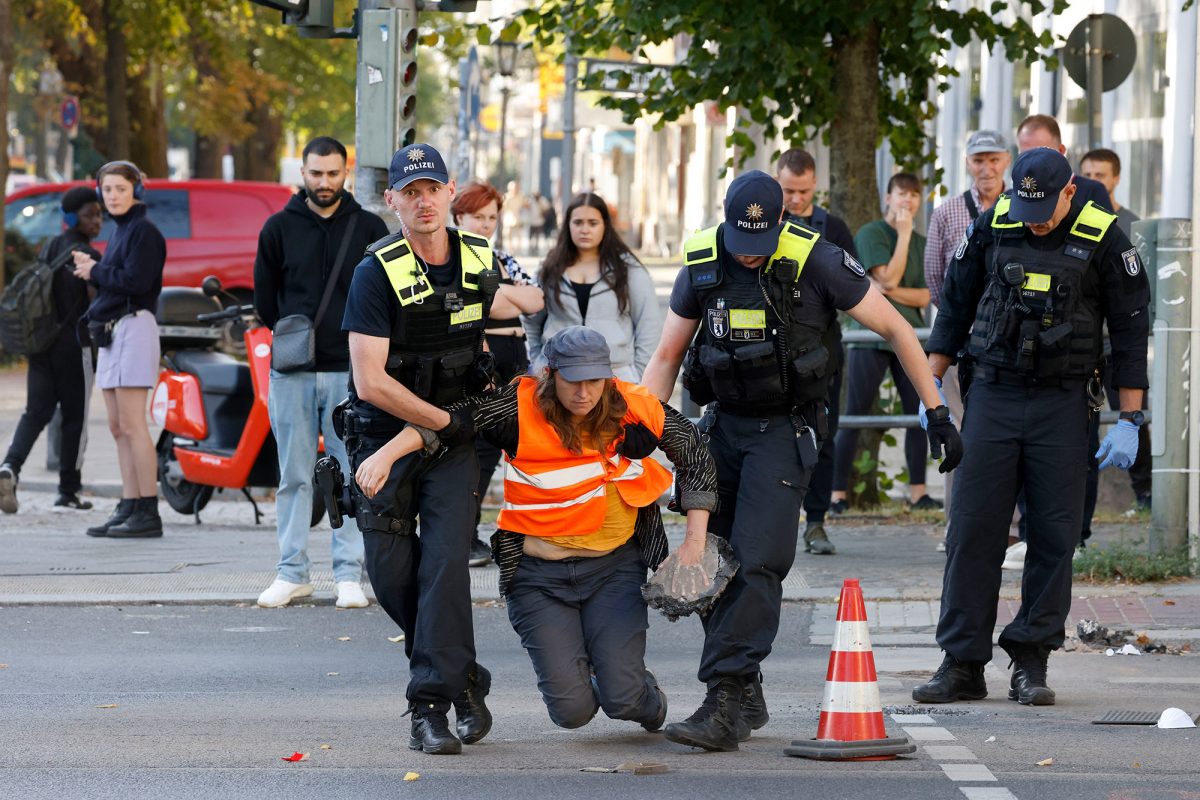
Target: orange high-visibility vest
[550, 491]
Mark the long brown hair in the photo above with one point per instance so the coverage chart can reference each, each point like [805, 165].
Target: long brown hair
[600, 427]
[613, 253]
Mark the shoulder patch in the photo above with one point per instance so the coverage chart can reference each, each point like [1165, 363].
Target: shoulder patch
[851, 263]
[1133, 264]
[384, 242]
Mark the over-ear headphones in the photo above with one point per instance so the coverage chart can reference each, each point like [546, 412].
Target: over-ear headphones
[139, 185]
[70, 219]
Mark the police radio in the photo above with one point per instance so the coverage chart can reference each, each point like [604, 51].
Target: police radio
[786, 270]
[489, 281]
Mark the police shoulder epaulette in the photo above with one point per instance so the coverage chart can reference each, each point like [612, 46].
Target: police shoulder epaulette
[390, 239]
[471, 238]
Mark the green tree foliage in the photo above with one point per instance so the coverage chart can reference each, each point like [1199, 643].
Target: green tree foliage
[855, 72]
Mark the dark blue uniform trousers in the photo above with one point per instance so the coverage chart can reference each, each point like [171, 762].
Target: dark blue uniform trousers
[583, 620]
[422, 580]
[1014, 436]
[760, 486]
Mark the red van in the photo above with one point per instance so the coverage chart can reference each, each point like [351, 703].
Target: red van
[211, 227]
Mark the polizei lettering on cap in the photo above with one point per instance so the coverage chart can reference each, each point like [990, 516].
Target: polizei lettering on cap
[419, 165]
[753, 226]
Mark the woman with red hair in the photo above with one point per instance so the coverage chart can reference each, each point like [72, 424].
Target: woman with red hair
[476, 209]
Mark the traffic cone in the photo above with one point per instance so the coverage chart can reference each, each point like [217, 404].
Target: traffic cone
[851, 725]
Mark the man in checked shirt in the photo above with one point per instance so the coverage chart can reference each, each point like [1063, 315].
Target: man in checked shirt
[988, 160]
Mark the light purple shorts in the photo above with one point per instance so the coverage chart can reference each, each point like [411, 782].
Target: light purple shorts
[132, 360]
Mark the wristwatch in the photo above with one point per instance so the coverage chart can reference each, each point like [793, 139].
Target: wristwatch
[1136, 417]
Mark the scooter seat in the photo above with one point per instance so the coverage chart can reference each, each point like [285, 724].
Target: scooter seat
[218, 373]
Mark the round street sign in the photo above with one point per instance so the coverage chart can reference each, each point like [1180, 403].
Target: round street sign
[69, 113]
[1117, 42]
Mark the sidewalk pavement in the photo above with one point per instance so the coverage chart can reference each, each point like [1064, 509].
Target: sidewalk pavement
[228, 559]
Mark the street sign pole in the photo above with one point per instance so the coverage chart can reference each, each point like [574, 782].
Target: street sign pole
[567, 174]
[1095, 84]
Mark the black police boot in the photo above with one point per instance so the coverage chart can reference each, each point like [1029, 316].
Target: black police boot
[1028, 684]
[754, 708]
[119, 515]
[431, 732]
[481, 554]
[472, 718]
[655, 722]
[714, 726]
[954, 680]
[143, 523]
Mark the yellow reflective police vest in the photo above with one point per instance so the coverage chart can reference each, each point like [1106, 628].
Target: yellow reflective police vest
[1049, 326]
[737, 357]
[407, 277]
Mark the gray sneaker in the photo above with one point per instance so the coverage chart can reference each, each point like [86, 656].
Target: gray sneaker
[816, 541]
[8, 489]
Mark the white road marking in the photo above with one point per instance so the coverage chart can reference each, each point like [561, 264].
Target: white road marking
[949, 752]
[967, 772]
[913, 719]
[987, 793]
[930, 734]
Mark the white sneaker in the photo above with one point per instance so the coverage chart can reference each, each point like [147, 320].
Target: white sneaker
[1014, 557]
[350, 595]
[281, 592]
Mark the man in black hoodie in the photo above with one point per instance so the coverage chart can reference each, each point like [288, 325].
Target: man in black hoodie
[321, 231]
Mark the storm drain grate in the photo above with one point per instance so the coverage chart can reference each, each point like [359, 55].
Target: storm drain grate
[1131, 718]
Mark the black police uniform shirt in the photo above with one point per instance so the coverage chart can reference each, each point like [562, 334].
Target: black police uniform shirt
[1116, 276]
[831, 281]
[372, 305]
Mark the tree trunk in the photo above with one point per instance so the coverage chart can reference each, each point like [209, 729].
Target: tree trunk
[853, 190]
[854, 133]
[257, 158]
[81, 65]
[208, 157]
[6, 57]
[115, 82]
[148, 122]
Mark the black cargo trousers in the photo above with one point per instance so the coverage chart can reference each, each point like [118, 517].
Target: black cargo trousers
[421, 578]
[760, 487]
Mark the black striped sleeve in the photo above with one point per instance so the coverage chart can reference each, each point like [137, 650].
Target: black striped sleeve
[695, 470]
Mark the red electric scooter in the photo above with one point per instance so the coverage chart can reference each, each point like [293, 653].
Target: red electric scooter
[216, 433]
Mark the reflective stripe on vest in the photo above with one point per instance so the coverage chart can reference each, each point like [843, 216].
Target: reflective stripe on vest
[550, 491]
[795, 242]
[1093, 222]
[408, 279]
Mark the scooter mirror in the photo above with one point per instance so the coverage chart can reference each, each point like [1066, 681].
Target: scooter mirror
[211, 286]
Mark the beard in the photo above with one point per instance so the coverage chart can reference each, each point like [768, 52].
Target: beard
[322, 202]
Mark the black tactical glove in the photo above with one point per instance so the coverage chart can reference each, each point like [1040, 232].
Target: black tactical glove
[943, 435]
[460, 430]
[639, 441]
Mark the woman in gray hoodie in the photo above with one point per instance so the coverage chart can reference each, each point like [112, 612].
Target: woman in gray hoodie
[591, 278]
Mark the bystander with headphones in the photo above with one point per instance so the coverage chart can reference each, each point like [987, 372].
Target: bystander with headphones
[121, 323]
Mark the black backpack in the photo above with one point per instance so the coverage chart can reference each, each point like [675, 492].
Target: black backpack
[29, 322]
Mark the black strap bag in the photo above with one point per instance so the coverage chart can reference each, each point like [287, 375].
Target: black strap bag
[294, 338]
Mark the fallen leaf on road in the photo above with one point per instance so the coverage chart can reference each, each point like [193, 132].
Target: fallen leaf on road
[989, 739]
[332, 674]
[411, 776]
[1137, 765]
[326, 747]
[343, 638]
[296, 757]
[1168, 602]
[1045, 762]
[3, 666]
[396, 639]
[108, 705]
[598, 769]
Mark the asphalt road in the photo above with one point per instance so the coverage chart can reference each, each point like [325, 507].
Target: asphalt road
[208, 699]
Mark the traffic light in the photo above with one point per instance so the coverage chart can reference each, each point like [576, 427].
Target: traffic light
[313, 18]
[406, 75]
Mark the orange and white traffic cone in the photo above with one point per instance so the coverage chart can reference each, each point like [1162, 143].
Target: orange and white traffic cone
[851, 724]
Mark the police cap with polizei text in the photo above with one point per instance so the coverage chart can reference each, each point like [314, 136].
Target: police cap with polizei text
[753, 210]
[1039, 176]
[414, 162]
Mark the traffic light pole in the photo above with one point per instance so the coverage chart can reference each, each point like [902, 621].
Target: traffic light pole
[369, 181]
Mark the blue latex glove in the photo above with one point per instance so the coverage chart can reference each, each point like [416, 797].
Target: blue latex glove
[921, 406]
[1120, 446]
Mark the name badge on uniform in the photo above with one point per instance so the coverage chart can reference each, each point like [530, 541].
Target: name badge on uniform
[467, 317]
[747, 324]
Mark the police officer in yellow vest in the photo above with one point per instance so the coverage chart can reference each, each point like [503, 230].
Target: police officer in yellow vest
[1027, 295]
[749, 310]
[416, 314]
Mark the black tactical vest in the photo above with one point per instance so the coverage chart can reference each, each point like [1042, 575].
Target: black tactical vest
[1040, 311]
[753, 353]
